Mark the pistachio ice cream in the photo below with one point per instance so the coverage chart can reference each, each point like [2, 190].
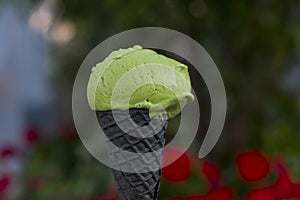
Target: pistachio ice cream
[156, 85]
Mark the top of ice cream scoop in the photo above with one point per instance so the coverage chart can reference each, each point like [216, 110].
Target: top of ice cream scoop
[139, 78]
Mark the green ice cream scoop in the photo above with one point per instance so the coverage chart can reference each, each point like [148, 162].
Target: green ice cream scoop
[139, 78]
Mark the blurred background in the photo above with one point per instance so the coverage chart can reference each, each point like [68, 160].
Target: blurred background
[255, 44]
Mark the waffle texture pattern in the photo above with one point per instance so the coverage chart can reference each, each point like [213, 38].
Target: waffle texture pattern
[138, 134]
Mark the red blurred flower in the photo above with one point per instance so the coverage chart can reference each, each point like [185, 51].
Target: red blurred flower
[252, 165]
[297, 191]
[211, 171]
[220, 193]
[31, 135]
[266, 193]
[5, 181]
[7, 151]
[179, 170]
[284, 186]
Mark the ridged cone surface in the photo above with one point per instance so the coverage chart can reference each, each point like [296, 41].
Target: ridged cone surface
[134, 186]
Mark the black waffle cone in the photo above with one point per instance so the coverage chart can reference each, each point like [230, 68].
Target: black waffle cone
[134, 186]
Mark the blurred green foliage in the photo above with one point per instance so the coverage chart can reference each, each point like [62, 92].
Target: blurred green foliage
[57, 169]
[254, 43]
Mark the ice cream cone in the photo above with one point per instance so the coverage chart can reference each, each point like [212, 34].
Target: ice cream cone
[124, 90]
[135, 185]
